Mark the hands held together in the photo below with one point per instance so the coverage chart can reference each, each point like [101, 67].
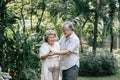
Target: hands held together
[52, 52]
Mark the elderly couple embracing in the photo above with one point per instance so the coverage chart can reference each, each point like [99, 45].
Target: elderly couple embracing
[60, 60]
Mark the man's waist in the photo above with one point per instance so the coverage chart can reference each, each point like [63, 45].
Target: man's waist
[67, 64]
[68, 67]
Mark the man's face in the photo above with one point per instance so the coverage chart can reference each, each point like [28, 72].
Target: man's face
[66, 31]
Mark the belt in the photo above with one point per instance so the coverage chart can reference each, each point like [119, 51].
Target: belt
[53, 57]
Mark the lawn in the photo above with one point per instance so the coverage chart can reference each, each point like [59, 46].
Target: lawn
[112, 77]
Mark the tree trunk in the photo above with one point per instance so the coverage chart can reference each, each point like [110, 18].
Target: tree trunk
[80, 34]
[31, 14]
[22, 16]
[2, 28]
[119, 25]
[112, 37]
[40, 19]
[111, 15]
[95, 28]
[87, 18]
[2, 41]
[31, 20]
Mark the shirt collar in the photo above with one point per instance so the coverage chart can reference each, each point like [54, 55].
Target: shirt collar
[69, 36]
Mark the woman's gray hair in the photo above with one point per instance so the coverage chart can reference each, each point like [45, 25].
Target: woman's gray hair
[68, 25]
[47, 33]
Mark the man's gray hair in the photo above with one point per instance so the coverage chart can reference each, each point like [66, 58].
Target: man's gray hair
[68, 25]
[47, 33]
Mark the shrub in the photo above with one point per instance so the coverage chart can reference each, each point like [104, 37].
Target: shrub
[4, 75]
[101, 64]
[21, 52]
[117, 51]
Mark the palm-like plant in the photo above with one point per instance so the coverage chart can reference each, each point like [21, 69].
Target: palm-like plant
[4, 22]
[4, 75]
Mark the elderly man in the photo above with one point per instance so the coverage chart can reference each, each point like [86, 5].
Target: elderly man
[69, 45]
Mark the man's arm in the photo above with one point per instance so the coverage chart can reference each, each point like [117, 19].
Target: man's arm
[71, 47]
[64, 52]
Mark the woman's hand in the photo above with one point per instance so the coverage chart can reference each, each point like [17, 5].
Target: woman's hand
[47, 55]
[51, 53]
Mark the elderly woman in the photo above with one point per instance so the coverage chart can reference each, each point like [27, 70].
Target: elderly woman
[50, 63]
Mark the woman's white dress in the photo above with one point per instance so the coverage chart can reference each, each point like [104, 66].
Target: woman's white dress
[44, 49]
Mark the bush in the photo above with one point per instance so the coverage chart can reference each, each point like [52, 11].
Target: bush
[101, 64]
[117, 51]
[4, 75]
[21, 55]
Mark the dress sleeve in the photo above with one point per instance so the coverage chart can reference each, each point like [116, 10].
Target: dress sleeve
[58, 46]
[43, 50]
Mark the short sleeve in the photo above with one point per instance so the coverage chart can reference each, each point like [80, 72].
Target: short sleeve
[73, 44]
[43, 50]
[57, 46]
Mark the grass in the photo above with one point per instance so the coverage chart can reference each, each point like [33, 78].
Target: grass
[112, 77]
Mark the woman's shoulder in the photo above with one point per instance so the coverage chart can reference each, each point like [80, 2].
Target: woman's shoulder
[44, 44]
[57, 43]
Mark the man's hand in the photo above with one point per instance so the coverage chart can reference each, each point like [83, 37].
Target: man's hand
[64, 52]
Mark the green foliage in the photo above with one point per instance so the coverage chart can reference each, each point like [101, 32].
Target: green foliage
[117, 51]
[19, 51]
[27, 73]
[58, 31]
[112, 77]
[101, 64]
[21, 58]
[4, 76]
[88, 32]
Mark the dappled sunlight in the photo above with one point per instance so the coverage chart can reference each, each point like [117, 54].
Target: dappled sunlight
[96, 24]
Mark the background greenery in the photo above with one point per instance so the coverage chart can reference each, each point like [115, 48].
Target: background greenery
[112, 77]
[23, 23]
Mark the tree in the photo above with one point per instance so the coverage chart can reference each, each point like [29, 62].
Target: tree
[112, 6]
[96, 26]
[4, 21]
[40, 18]
[118, 16]
[82, 9]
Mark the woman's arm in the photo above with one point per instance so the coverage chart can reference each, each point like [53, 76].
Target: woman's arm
[46, 56]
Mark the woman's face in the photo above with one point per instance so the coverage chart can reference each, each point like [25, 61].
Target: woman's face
[51, 39]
